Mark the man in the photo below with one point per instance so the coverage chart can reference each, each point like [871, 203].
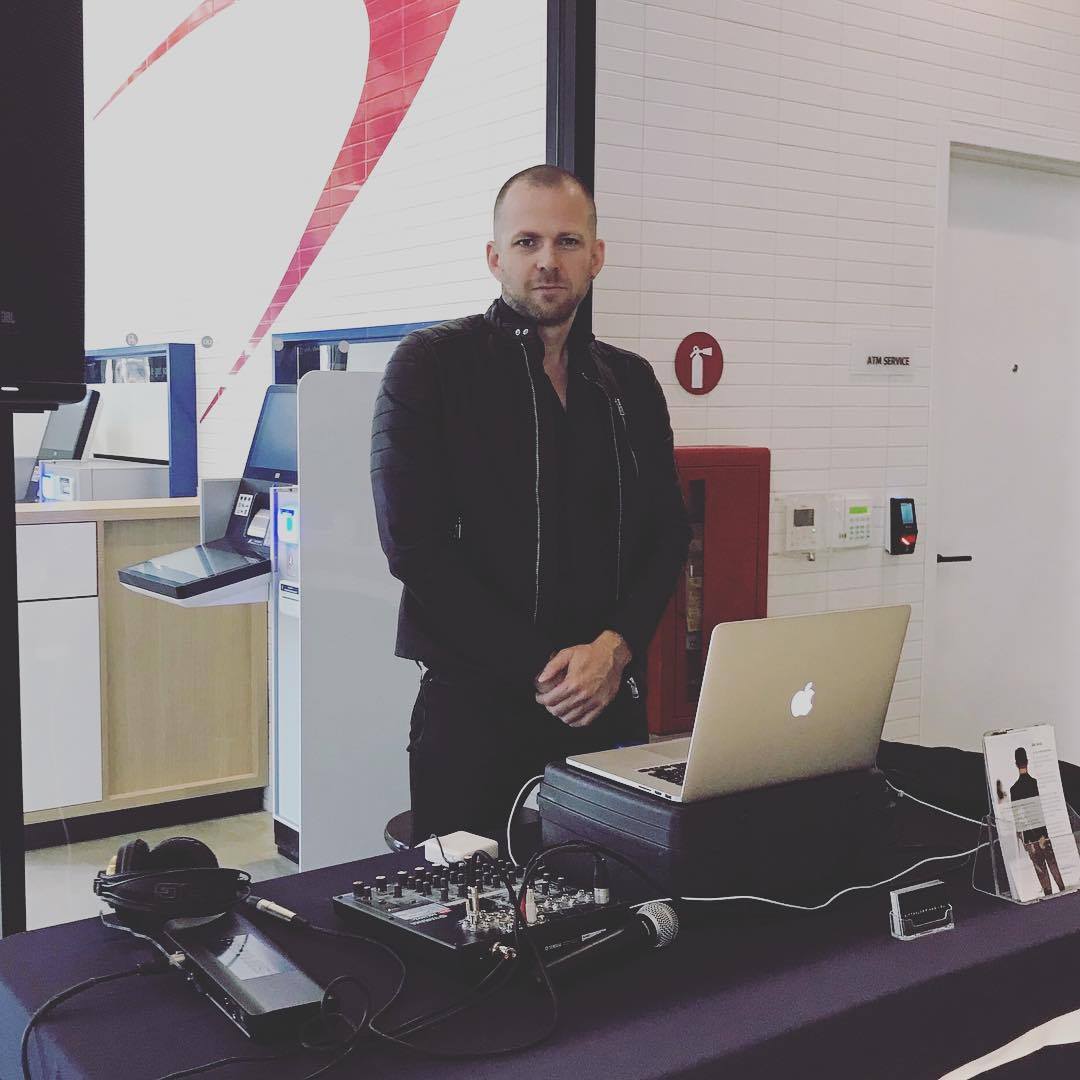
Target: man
[527, 499]
[1036, 839]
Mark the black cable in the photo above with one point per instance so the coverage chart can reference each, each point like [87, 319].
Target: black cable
[147, 967]
[488, 985]
[346, 1048]
[521, 933]
[416, 1023]
[222, 1062]
[442, 850]
[357, 1029]
[587, 847]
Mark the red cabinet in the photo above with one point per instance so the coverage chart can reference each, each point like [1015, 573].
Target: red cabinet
[726, 489]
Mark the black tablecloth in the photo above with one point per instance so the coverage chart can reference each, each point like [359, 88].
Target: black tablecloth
[751, 992]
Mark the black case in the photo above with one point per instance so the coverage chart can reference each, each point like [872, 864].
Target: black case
[798, 842]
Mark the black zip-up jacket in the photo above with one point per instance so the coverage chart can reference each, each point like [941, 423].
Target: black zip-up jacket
[462, 481]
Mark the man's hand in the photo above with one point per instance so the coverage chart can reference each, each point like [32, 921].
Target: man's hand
[578, 683]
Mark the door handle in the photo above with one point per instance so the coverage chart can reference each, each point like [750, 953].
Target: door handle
[954, 558]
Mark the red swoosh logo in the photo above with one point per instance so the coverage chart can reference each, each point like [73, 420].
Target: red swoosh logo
[406, 35]
[206, 10]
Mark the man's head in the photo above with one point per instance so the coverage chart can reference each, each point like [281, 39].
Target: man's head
[545, 252]
[1021, 758]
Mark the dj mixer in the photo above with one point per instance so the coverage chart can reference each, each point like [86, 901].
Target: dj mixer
[463, 913]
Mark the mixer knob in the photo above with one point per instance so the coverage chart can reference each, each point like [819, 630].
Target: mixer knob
[380, 883]
[358, 888]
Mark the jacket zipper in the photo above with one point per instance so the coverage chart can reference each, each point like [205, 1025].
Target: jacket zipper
[536, 430]
[626, 431]
[618, 472]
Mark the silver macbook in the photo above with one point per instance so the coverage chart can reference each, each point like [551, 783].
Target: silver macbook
[781, 699]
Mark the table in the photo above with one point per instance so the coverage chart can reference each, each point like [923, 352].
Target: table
[753, 993]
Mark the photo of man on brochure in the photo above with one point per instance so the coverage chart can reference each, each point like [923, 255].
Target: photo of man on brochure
[1030, 823]
[1033, 825]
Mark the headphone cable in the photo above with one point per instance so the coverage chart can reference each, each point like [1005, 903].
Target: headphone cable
[148, 967]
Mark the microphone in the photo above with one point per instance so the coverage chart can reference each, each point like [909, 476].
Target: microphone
[653, 926]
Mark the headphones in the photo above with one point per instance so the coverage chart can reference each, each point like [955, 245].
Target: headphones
[179, 878]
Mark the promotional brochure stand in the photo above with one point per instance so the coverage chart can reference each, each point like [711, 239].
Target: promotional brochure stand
[989, 873]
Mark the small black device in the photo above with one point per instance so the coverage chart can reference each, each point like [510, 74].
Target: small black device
[921, 909]
[244, 552]
[903, 527]
[460, 916]
[246, 976]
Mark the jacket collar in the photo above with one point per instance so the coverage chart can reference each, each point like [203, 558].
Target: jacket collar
[503, 317]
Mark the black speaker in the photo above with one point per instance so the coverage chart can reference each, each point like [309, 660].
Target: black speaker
[42, 220]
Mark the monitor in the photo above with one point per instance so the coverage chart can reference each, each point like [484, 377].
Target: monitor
[66, 437]
[68, 430]
[273, 448]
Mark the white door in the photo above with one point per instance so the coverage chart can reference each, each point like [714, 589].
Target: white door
[1004, 629]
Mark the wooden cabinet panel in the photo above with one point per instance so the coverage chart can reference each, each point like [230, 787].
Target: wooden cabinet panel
[186, 688]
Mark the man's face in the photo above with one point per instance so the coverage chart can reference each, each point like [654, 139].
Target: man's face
[545, 253]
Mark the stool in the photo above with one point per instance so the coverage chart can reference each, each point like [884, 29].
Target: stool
[398, 831]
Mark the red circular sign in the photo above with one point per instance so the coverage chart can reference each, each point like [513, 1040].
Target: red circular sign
[699, 363]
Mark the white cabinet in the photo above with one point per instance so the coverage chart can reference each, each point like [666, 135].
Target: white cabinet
[59, 664]
[57, 561]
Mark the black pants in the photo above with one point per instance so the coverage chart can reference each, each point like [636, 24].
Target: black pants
[471, 748]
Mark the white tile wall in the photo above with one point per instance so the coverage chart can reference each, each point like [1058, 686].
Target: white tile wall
[767, 170]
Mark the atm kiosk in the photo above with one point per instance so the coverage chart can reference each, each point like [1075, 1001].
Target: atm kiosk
[236, 568]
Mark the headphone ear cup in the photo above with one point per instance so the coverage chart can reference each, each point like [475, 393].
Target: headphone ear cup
[180, 853]
[132, 856]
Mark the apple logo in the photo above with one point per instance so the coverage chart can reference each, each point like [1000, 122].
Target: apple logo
[803, 701]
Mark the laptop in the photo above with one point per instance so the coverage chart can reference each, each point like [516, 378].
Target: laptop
[781, 699]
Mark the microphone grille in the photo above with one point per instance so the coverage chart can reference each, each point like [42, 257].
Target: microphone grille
[664, 920]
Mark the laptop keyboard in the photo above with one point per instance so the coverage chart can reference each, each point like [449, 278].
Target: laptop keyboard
[673, 774]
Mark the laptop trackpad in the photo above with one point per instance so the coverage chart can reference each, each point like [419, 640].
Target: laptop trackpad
[670, 750]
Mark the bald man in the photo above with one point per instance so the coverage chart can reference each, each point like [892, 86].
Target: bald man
[527, 500]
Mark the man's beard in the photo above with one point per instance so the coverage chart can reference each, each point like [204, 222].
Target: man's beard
[543, 314]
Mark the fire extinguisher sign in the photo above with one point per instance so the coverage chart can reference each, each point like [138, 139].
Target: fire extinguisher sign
[699, 363]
